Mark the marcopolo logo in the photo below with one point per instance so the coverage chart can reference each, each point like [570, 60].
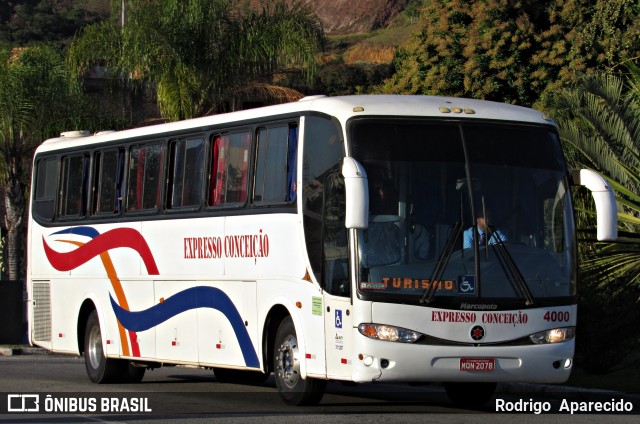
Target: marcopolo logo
[479, 306]
[477, 333]
[23, 403]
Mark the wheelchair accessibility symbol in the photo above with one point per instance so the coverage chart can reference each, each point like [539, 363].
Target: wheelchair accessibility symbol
[338, 318]
[467, 284]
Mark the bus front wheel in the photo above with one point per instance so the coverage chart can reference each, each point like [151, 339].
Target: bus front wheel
[293, 389]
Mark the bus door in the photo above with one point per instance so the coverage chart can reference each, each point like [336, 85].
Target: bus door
[338, 329]
[336, 283]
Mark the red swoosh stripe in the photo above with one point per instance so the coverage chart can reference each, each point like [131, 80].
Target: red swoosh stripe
[119, 237]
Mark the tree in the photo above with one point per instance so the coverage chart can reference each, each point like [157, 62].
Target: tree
[199, 53]
[26, 21]
[38, 99]
[599, 126]
[516, 52]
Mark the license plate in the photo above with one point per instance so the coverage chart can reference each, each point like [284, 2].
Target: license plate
[477, 364]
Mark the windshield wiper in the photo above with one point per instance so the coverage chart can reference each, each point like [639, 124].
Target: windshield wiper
[508, 264]
[443, 260]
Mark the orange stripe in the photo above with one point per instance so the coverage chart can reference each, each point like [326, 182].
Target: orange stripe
[117, 288]
[122, 299]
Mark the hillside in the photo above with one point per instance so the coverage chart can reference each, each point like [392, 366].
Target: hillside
[24, 21]
[349, 16]
[337, 16]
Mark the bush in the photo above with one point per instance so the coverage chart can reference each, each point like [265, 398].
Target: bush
[608, 329]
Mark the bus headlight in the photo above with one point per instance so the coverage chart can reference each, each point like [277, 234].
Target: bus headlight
[555, 335]
[389, 333]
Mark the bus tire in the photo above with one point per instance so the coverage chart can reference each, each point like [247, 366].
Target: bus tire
[226, 375]
[131, 373]
[293, 389]
[100, 369]
[470, 395]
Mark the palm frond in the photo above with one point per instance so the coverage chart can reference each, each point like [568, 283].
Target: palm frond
[601, 129]
[168, 43]
[177, 93]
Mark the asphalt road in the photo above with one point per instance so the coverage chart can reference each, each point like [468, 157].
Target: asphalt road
[192, 395]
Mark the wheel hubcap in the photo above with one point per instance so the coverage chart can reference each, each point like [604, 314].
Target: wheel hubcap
[288, 364]
[94, 347]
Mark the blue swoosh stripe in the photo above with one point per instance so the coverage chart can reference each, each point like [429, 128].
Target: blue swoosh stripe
[83, 231]
[192, 298]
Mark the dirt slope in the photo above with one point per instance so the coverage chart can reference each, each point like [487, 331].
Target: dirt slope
[352, 16]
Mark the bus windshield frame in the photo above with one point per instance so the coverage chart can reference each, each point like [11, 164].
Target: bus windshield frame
[433, 184]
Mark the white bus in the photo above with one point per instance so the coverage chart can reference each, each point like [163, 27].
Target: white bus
[326, 239]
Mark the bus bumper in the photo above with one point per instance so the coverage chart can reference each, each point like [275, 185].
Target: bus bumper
[394, 362]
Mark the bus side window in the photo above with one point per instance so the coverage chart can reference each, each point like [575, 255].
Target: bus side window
[75, 173]
[107, 179]
[186, 169]
[322, 152]
[292, 164]
[273, 166]
[215, 183]
[136, 170]
[145, 177]
[229, 164]
[45, 188]
[119, 181]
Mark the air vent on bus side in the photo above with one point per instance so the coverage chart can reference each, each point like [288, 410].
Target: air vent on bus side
[42, 312]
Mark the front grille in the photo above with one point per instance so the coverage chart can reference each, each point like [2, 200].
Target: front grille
[434, 341]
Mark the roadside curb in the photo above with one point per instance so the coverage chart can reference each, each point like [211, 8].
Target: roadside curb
[22, 350]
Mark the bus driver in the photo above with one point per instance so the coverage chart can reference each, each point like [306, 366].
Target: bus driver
[482, 224]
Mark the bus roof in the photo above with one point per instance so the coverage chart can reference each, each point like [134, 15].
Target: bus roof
[343, 108]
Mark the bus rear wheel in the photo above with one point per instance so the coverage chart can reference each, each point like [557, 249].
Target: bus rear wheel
[470, 395]
[293, 389]
[101, 369]
[131, 373]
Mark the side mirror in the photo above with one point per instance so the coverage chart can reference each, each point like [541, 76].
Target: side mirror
[605, 200]
[357, 192]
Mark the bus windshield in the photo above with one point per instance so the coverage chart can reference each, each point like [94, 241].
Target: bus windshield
[464, 213]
